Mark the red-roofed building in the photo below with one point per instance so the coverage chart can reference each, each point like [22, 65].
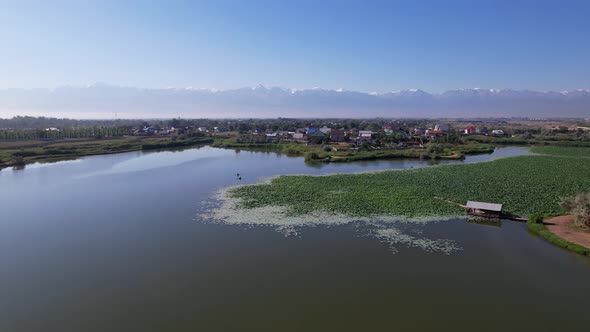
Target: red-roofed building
[470, 130]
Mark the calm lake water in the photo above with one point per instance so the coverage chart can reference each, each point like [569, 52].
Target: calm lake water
[114, 243]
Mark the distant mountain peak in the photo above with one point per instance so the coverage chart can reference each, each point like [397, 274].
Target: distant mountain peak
[272, 101]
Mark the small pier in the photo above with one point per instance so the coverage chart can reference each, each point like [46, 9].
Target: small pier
[483, 209]
[486, 210]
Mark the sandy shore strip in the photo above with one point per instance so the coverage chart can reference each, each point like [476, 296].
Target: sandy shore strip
[562, 227]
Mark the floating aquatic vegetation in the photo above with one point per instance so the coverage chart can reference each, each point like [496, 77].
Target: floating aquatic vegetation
[524, 184]
[228, 209]
[394, 236]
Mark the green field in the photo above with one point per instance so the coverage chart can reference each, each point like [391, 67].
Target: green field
[559, 151]
[558, 141]
[524, 184]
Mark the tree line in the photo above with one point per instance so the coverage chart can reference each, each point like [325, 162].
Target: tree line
[91, 132]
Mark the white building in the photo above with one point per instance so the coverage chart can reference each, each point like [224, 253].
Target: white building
[498, 132]
[365, 133]
[441, 127]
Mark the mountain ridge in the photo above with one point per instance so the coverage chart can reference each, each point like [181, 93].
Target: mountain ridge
[266, 101]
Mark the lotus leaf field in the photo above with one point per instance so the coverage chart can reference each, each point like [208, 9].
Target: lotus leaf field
[576, 152]
[524, 184]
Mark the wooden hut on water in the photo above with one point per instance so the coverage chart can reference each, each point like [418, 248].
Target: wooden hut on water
[482, 209]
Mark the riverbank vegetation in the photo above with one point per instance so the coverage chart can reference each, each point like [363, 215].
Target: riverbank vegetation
[317, 140]
[347, 153]
[19, 153]
[579, 207]
[575, 152]
[571, 140]
[536, 226]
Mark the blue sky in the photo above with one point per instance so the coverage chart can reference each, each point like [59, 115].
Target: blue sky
[355, 45]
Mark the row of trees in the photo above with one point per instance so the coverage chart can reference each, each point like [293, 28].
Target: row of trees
[28, 122]
[91, 132]
[24, 127]
[31, 122]
[579, 207]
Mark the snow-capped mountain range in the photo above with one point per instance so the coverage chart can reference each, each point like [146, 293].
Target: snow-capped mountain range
[262, 101]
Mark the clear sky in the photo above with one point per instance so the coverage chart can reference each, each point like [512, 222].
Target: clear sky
[357, 45]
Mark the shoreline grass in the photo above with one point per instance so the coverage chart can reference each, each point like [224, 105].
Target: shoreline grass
[316, 154]
[542, 141]
[536, 226]
[27, 152]
[576, 152]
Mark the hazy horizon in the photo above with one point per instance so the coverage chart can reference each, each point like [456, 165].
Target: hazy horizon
[102, 101]
[356, 53]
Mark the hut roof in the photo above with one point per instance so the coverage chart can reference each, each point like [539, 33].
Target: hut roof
[318, 134]
[485, 206]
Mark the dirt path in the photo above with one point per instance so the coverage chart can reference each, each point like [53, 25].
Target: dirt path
[450, 202]
[561, 226]
[454, 155]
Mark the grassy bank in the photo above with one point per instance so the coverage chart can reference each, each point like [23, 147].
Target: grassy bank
[535, 225]
[558, 141]
[317, 153]
[25, 152]
[524, 184]
[169, 144]
[575, 152]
